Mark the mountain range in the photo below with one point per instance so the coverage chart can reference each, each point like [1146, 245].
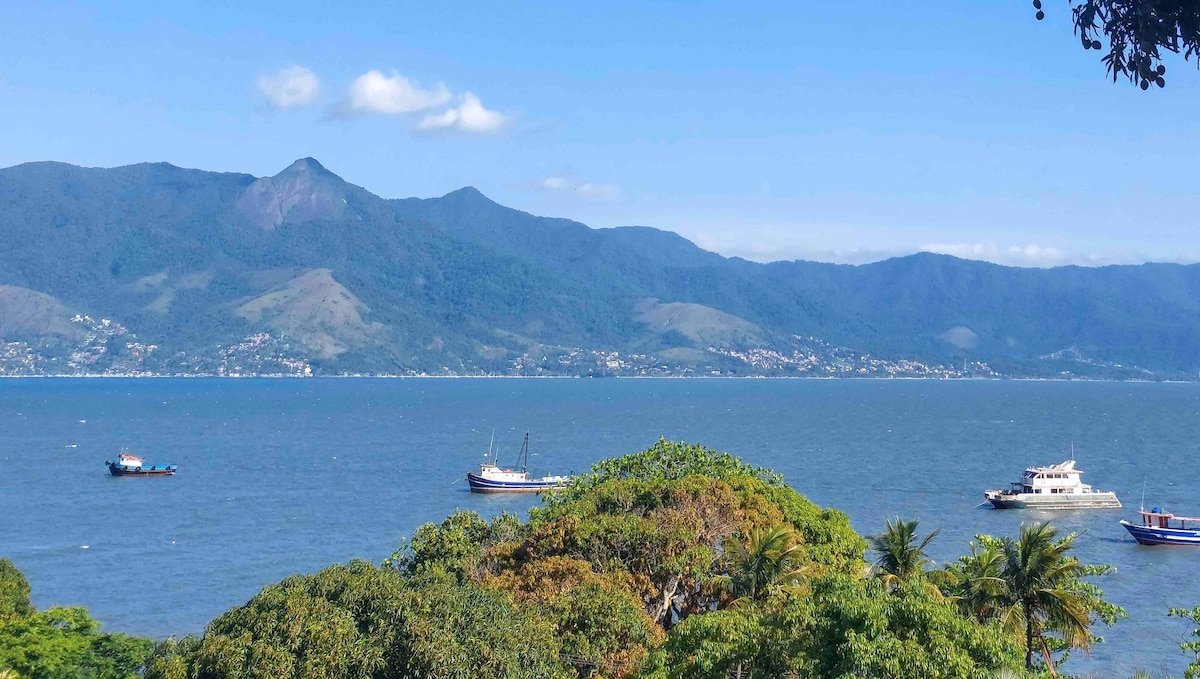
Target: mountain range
[156, 269]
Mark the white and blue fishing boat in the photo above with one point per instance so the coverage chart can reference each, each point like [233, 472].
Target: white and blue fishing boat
[1160, 527]
[132, 465]
[494, 479]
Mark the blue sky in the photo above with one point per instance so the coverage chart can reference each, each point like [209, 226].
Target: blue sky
[832, 131]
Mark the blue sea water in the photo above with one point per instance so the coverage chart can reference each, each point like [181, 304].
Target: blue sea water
[288, 476]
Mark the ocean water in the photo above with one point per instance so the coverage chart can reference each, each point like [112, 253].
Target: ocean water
[288, 476]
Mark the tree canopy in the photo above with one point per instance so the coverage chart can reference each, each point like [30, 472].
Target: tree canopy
[14, 591]
[678, 561]
[60, 642]
[362, 621]
[1139, 33]
[1034, 589]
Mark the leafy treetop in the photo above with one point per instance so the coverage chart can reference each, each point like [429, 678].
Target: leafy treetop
[1138, 32]
[14, 591]
[61, 642]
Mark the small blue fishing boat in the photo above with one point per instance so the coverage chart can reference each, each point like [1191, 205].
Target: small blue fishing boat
[1160, 527]
[494, 479]
[132, 465]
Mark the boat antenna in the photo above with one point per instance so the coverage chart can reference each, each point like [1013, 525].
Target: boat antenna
[1142, 508]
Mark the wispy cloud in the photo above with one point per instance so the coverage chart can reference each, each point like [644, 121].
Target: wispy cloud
[773, 243]
[289, 87]
[392, 94]
[584, 189]
[1029, 255]
[469, 116]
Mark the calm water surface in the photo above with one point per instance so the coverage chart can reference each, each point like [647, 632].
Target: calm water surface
[287, 476]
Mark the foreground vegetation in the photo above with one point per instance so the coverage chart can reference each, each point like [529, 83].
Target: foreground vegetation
[677, 562]
[61, 642]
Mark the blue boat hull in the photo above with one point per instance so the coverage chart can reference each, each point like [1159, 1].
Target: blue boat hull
[145, 470]
[1150, 535]
[479, 484]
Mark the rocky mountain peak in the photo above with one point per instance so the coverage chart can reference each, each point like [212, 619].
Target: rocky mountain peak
[303, 191]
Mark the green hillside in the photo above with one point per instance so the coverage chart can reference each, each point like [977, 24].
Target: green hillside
[301, 272]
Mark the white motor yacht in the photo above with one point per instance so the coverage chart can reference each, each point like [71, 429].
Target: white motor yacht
[1055, 487]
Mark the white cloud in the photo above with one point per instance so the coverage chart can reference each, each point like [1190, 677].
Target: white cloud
[1014, 255]
[604, 191]
[584, 189]
[394, 95]
[468, 116]
[290, 86]
[772, 243]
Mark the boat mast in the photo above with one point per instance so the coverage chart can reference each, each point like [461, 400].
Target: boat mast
[525, 453]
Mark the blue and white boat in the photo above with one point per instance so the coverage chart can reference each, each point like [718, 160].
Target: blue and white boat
[494, 479]
[1160, 527]
[132, 465]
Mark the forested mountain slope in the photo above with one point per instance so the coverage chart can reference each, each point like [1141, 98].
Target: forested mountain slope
[304, 273]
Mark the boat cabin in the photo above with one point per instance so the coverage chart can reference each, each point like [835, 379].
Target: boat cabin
[1056, 479]
[1160, 518]
[126, 460]
[495, 473]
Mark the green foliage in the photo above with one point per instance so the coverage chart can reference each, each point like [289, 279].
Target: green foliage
[638, 545]
[766, 567]
[709, 646]
[1034, 590]
[59, 643]
[664, 461]
[846, 627]
[66, 643]
[900, 559]
[1138, 33]
[676, 562]
[662, 516]
[856, 627]
[14, 591]
[826, 533]
[455, 545]
[360, 621]
[1192, 643]
[976, 585]
[596, 616]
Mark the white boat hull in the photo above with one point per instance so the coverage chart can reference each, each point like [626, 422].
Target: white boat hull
[1065, 501]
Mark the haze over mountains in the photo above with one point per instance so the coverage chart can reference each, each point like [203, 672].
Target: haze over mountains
[156, 269]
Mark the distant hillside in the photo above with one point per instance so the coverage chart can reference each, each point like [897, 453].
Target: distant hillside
[299, 273]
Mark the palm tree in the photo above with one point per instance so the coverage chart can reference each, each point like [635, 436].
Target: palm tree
[768, 564]
[900, 560]
[1042, 585]
[975, 585]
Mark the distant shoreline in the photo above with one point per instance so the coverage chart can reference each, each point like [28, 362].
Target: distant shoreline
[822, 378]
